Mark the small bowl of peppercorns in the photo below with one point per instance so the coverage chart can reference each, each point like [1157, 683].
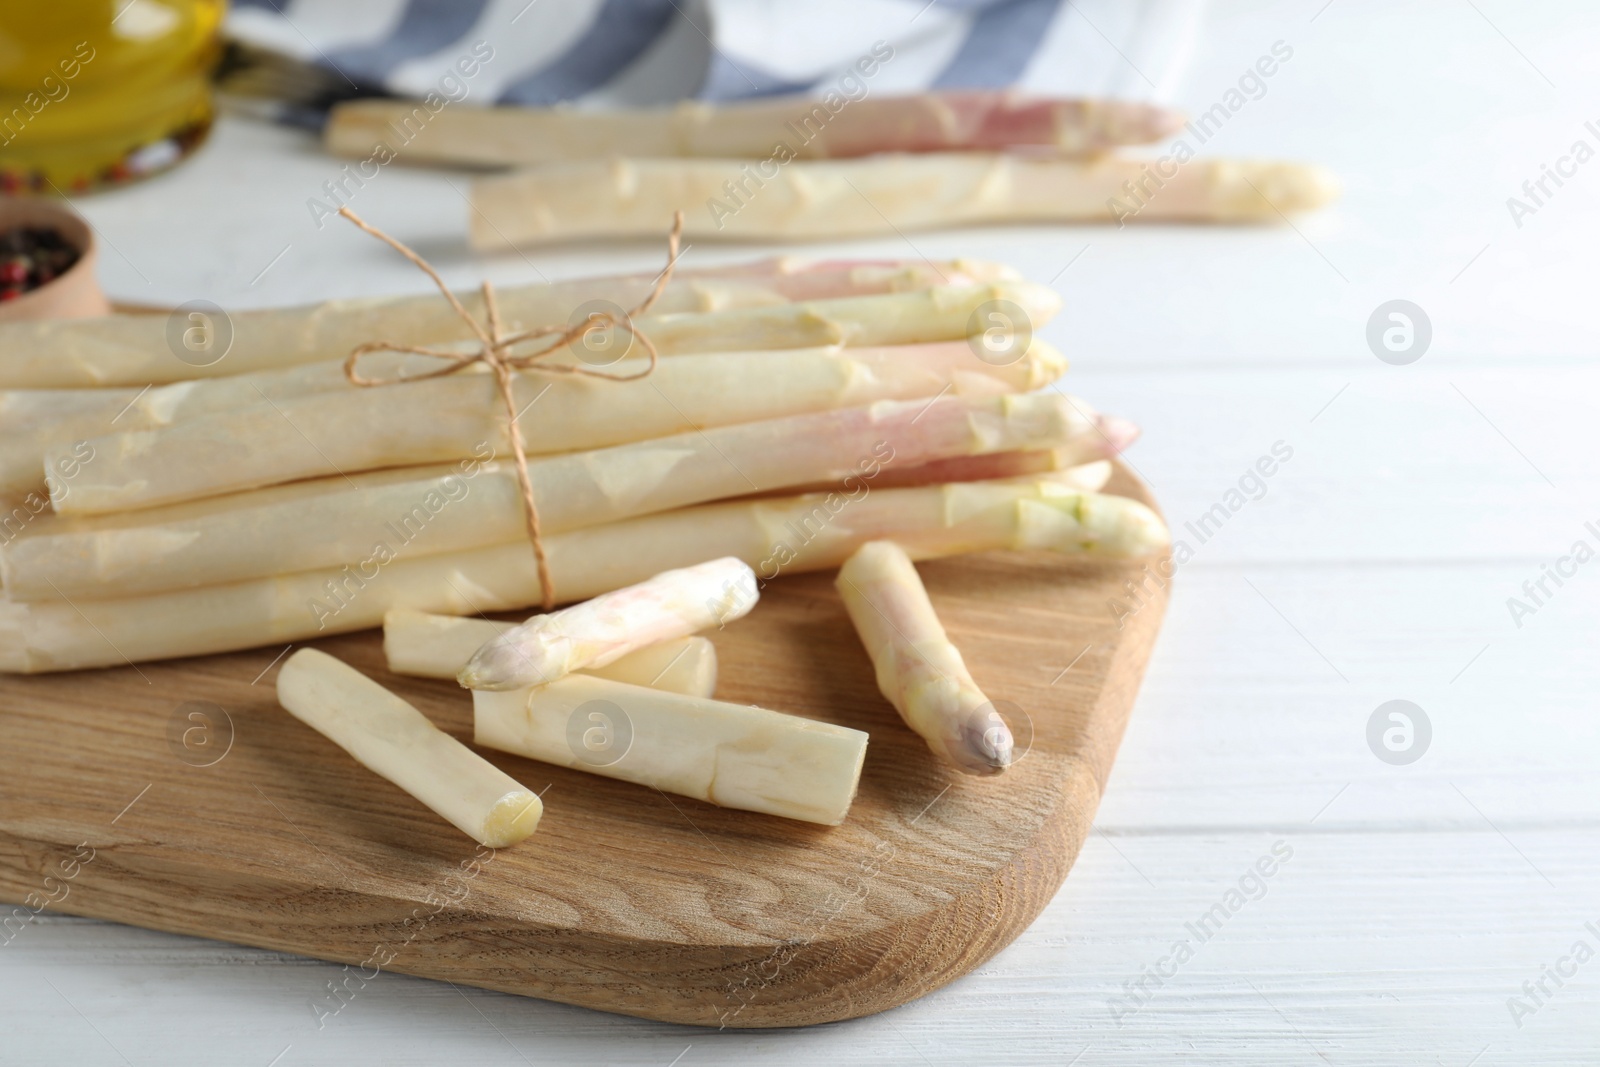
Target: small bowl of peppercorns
[47, 260]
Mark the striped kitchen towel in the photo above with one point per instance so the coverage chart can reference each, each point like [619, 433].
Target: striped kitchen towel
[308, 54]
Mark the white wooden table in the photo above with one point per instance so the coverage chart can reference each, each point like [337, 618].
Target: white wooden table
[1376, 566]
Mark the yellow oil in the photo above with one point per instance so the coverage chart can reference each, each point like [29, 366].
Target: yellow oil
[96, 92]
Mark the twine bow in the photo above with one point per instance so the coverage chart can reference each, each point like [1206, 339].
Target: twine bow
[496, 353]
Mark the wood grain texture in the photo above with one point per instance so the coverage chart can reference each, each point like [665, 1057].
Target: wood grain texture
[626, 899]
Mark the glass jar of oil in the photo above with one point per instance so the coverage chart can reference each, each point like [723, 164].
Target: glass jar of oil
[96, 92]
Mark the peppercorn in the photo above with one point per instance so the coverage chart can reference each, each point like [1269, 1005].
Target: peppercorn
[31, 256]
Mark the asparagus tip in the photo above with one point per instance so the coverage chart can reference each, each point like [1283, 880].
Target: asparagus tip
[1118, 433]
[1251, 190]
[1165, 123]
[499, 665]
[985, 745]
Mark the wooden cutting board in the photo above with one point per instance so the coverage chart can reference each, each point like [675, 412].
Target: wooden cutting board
[242, 824]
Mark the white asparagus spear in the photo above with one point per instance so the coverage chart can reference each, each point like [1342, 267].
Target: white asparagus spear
[1065, 465]
[33, 420]
[312, 431]
[438, 646]
[775, 536]
[596, 632]
[285, 530]
[735, 755]
[980, 468]
[942, 313]
[280, 529]
[878, 196]
[918, 669]
[137, 350]
[393, 739]
[67, 414]
[1087, 477]
[312, 525]
[832, 126]
[461, 415]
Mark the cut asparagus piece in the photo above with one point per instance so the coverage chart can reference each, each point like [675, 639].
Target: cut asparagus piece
[458, 507]
[396, 741]
[669, 605]
[137, 350]
[775, 536]
[735, 755]
[920, 672]
[880, 196]
[461, 416]
[438, 646]
[986, 120]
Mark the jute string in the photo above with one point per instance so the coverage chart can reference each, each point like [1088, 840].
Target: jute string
[496, 352]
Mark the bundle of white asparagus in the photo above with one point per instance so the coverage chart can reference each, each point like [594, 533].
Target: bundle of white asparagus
[799, 416]
[838, 165]
[283, 502]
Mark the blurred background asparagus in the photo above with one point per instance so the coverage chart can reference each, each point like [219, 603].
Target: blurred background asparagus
[606, 126]
[803, 169]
